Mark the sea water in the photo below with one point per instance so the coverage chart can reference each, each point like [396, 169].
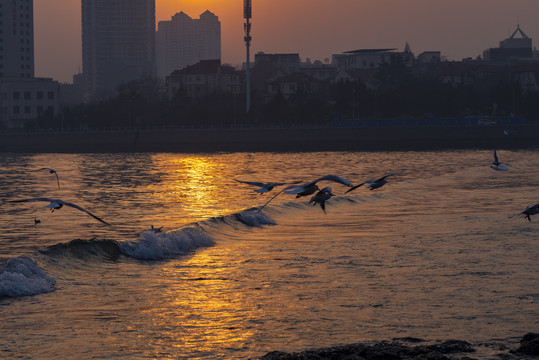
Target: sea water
[440, 252]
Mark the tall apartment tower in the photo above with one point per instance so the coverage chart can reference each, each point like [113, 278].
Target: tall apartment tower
[184, 41]
[118, 43]
[16, 39]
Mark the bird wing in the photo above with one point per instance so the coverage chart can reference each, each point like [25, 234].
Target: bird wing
[323, 206]
[57, 180]
[355, 187]
[334, 178]
[274, 196]
[254, 183]
[495, 157]
[383, 177]
[86, 211]
[44, 169]
[294, 189]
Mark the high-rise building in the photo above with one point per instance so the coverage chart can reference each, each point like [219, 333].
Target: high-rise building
[23, 98]
[118, 43]
[183, 41]
[16, 39]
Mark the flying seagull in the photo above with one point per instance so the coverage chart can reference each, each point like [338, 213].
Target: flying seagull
[311, 187]
[530, 211]
[372, 184]
[496, 163]
[52, 171]
[56, 204]
[321, 197]
[263, 187]
[308, 188]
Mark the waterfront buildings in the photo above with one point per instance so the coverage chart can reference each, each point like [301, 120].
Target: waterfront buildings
[22, 97]
[16, 38]
[23, 100]
[368, 58]
[285, 63]
[118, 44]
[204, 78]
[511, 48]
[183, 41]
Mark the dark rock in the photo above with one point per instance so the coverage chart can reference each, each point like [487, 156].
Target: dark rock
[397, 350]
[529, 344]
[452, 346]
[409, 339]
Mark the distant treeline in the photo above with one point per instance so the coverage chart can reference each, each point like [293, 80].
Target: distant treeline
[400, 92]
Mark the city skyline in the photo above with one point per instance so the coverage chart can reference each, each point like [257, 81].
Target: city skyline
[458, 28]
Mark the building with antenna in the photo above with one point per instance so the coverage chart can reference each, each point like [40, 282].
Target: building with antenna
[513, 47]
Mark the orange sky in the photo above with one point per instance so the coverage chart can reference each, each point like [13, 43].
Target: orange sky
[313, 28]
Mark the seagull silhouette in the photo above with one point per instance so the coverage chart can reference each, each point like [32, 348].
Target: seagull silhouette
[264, 187]
[156, 230]
[52, 171]
[530, 211]
[372, 184]
[321, 197]
[56, 204]
[496, 163]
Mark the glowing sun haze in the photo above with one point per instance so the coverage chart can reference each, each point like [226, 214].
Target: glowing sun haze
[315, 29]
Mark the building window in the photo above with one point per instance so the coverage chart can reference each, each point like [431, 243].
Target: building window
[16, 109]
[16, 95]
[40, 110]
[27, 109]
[50, 95]
[27, 95]
[39, 95]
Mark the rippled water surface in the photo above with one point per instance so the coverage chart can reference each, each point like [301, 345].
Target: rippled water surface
[438, 253]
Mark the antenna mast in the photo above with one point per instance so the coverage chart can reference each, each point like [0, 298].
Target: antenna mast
[247, 38]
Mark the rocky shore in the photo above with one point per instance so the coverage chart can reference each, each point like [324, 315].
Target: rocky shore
[404, 349]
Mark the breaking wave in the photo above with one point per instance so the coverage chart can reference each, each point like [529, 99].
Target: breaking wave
[166, 245]
[22, 276]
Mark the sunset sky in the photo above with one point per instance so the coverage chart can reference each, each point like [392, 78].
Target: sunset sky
[315, 29]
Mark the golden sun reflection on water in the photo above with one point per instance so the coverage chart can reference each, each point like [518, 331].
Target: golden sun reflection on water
[200, 310]
[191, 183]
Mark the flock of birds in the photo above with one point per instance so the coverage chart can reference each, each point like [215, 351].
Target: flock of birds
[310, 188]
[295, 188]
[325, 194]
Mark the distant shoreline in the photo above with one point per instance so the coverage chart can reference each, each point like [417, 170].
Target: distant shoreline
[271, 139]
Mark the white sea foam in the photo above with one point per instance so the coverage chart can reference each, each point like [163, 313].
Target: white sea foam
[165, 245]
[22, 276]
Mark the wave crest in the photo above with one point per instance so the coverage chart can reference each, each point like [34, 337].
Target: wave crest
[22, 276]
[166, 245]
[254, 218]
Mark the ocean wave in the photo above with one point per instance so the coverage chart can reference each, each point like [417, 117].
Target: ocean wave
[250, 218]
[85, 249]
[254, 218]
[165, 245]
[22, 276]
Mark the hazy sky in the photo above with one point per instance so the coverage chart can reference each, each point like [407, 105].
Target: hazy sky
[313, 28]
